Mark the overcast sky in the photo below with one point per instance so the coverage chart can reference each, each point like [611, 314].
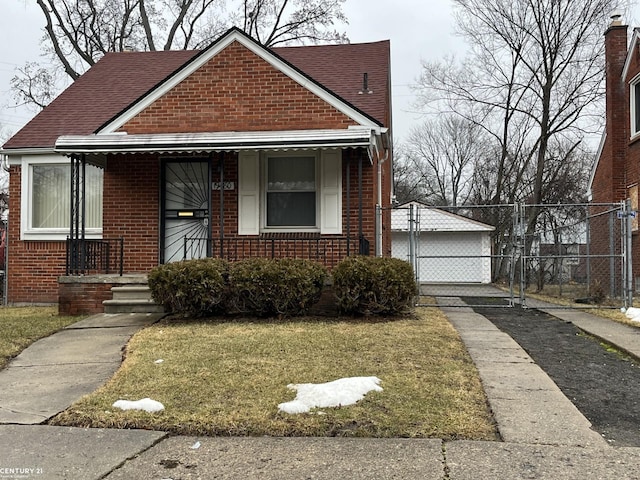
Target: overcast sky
[418, 30]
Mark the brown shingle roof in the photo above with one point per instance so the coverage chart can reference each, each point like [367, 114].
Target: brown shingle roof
[119, 79]
[341, 69]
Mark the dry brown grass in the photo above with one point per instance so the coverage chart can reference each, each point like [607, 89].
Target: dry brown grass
[21, 326]
[228, 379]
[610, 312]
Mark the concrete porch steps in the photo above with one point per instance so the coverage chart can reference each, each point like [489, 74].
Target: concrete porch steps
[131, 299]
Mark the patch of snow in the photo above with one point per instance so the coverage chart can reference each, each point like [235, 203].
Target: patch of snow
[344, 391]
[632, 313]
[145, 404]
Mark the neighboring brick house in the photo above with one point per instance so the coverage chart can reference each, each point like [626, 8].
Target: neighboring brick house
[137, 162]
[616, 173]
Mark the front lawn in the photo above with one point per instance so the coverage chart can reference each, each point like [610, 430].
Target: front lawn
[21, 326]
[228, 379]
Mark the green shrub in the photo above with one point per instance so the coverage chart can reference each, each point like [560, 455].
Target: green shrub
[275, 287]
[374, 285]
[191, 287]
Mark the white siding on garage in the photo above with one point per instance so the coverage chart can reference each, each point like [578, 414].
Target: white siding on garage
[447, 257]
[449, 248]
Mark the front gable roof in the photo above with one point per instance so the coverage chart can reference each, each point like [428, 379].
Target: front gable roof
[121, 85]
[219, 47]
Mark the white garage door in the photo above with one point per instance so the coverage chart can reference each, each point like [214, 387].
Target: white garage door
[447, 257]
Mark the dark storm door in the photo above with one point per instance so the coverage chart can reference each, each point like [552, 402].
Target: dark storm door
[186, 210]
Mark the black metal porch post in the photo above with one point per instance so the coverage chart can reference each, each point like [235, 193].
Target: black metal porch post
[360, 230]
[72, 256]
[83, 187]
[349, 204]
[77, 245]
[209, 205]
[221, 165]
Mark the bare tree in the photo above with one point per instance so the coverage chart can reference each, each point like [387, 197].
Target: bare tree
[440, 155]
[535, 73]
[533, 81]
[79, 32]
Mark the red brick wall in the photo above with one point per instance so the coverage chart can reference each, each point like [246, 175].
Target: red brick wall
[618, 165]
[33, 267]
[131, 208]
[609, 182]
[369, 195]
[82, 298]
[230, 203]
[237, 91]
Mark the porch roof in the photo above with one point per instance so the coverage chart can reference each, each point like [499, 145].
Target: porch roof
[100, 144]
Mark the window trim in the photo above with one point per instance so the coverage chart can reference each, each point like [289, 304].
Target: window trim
[264, 160]
[27, 232]
[634, 107]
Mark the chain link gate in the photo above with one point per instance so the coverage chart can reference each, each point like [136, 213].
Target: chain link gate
[578, 252]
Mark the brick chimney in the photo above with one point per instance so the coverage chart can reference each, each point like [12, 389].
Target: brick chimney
[610, 183]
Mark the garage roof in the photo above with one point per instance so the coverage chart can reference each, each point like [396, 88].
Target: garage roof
[432, 219]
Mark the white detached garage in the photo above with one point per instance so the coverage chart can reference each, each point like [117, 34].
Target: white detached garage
[448, 248]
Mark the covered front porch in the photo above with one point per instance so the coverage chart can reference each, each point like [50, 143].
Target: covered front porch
[299, 194]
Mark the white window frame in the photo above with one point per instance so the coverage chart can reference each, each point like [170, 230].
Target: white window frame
[264, 160]
[634, 107]
[27, 231]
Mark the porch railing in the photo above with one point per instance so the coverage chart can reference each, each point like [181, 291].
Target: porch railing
[326, 250]
[95, 256]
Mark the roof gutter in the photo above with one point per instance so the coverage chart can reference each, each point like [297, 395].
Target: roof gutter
[352, 137]
[9, 152]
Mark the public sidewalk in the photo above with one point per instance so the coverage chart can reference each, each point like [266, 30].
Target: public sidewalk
[545, 438]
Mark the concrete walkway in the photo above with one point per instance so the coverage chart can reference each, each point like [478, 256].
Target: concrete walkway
[545, 436]
[54, 372]
[527, 405]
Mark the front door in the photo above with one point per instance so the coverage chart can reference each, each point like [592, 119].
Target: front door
[186, 207]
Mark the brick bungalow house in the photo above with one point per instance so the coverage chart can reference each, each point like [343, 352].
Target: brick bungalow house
[232, 151]
[616, 173]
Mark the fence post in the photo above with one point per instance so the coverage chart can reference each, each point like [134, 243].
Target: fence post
[628, 300]
[412, 240]
[522, 238]
[612, 254]
[588, 250]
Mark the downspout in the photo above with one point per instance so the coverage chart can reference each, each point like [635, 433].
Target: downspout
[379, 226]
[381, 161]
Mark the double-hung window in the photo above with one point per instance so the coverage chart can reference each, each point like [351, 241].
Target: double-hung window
[290, 192]
[46, 197]
[291, 200]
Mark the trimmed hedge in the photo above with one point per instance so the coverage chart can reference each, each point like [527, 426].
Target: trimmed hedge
[282, 287]
[255, 286]
[192, 287]
[374, 286]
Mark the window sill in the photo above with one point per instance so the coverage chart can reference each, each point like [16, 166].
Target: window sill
[276, 231]
[634, 138]
[55, 236]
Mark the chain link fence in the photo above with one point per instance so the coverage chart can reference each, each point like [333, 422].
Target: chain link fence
[579, 252]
